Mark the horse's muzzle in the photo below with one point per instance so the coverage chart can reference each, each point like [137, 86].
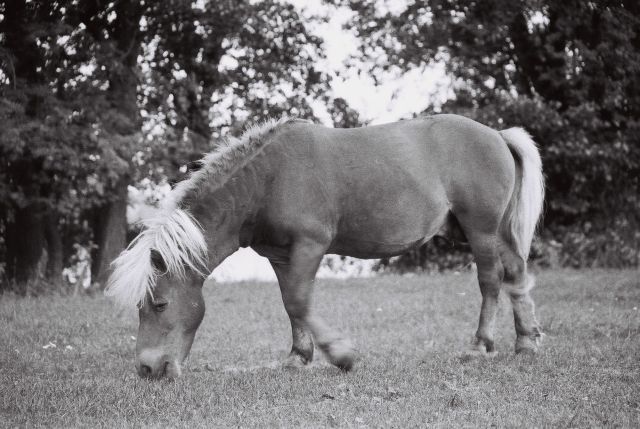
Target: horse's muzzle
[154, 365]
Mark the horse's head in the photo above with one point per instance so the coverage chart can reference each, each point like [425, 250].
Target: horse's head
[162, 271]
[168, 322]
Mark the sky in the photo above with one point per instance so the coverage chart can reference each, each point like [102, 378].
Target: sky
[397, 97]
[393, 99]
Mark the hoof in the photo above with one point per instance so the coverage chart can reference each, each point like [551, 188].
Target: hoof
[295, 361]
[341, 354]
[528, 345]
[345, 363]
[484, 348]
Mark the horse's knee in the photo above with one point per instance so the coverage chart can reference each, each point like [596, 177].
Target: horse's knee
[488, 263]
[490, 279]
[514, 270]
[514, 266]
[517, 281]
[519, 290]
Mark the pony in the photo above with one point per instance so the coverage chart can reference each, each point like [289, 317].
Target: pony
[294, 191]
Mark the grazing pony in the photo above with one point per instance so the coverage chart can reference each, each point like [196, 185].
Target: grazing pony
[295, 191]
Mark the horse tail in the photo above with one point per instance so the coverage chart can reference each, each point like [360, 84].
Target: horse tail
[525, 207]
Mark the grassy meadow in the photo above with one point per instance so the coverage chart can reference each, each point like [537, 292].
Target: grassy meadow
[68, 361]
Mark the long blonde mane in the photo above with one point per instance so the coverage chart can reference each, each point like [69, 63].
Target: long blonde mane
[173, 233]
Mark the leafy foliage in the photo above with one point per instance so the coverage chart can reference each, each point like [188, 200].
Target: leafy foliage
[208, 70]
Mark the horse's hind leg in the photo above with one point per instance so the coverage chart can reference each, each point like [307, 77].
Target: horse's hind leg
[485, 251]
[296, 280]
[518, 283]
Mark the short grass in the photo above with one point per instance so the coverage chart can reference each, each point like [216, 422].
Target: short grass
[410, 330]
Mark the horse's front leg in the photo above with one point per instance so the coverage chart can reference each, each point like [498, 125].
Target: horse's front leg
[296, 279]
[302, 346]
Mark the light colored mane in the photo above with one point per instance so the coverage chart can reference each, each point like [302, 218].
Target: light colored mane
[229, 157]
[173, 233]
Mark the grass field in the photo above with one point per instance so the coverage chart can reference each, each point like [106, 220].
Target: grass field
[410, 332]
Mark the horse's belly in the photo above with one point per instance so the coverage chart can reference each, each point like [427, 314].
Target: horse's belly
[370, 234]
[366, 249]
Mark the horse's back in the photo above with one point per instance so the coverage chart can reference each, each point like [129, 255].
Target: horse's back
[421, 157]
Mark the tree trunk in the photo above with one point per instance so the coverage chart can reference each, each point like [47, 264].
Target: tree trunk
[110, 221]
[25, 245]
[110, 234]
[55, 251]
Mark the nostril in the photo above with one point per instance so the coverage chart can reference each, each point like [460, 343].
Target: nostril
[144, 371]
[165, 367]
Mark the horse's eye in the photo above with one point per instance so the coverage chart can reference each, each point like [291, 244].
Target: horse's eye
[160, 306]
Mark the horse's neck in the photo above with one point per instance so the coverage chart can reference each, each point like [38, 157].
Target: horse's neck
[223, 210]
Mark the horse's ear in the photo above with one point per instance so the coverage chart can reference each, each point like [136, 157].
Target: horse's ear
[157, 261]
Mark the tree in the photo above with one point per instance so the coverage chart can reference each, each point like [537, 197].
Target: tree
[98, 95]
[567, 71]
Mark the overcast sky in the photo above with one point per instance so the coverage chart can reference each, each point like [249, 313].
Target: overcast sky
[399, 96]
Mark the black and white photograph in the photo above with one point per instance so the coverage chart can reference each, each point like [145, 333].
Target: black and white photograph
[319, 213]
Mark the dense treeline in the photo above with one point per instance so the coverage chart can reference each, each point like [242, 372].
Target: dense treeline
[98, 95]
